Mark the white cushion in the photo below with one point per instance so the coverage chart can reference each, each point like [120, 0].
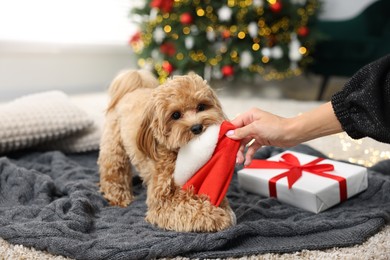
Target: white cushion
[38, 118]
[83, 141]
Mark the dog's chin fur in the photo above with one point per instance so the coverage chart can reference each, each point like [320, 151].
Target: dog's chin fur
[146, 124]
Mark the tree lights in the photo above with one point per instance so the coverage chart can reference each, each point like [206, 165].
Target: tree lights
[232, 38]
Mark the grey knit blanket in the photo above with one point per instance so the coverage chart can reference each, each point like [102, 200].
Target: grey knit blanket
[50, 201]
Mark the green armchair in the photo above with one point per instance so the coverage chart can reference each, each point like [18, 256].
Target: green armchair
[348, 45]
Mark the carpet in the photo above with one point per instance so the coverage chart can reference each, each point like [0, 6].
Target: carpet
[50, 201]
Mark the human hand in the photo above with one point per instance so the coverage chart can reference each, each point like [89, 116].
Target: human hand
[269, 129]
[263, 128]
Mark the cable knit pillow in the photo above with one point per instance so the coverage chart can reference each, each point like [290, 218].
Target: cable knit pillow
[38, 118]
[83, 141]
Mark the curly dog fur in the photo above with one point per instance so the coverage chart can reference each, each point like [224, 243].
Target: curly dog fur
[146, 124]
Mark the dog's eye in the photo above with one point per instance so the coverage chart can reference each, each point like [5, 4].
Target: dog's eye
[201, 107]
[176, 115]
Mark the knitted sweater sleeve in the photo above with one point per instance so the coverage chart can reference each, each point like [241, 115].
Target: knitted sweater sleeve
[363, 105]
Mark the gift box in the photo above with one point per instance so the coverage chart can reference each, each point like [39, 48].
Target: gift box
[308, 182]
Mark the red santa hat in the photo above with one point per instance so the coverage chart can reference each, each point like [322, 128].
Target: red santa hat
[207, 162]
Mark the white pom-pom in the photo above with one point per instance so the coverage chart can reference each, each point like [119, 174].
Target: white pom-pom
[195, 154]
[277, 52]
[210, 36]
[266, 52]
[253, 29]
[294, 46]
[189, 42]
[246, 59]
[258, 3]
[158, 34]
[225, 13]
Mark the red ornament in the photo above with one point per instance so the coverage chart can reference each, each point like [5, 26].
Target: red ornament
[186, 18]
[164, 5]
[227, 70]
[135, 38]
[166, 66]
[168, 48]
[303, 31]
[276, 7]
[225, 34]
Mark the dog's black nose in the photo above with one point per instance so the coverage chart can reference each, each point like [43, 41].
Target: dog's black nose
[196, 129]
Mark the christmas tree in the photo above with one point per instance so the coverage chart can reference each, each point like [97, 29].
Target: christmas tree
[227, 38]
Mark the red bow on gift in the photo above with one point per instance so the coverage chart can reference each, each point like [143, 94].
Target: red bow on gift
[214, 177]
[294, 172]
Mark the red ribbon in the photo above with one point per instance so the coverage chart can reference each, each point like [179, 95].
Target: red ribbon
[294, 172]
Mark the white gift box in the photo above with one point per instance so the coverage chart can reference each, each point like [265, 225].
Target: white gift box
[311, 192]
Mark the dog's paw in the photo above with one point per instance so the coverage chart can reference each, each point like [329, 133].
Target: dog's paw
[118, 196]
[202, 217]
[219, 219]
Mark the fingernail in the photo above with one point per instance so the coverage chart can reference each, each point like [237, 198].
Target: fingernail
[230, 133]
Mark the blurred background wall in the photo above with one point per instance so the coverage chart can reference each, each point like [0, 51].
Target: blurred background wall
[72, 45]
[78, 45]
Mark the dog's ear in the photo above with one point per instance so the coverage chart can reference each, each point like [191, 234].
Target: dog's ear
[195, 76]
[199, 80]
[146, 142]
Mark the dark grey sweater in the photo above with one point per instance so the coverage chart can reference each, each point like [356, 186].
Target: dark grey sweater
[363, 106]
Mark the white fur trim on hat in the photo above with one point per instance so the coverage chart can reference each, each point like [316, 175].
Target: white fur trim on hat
[195, 154]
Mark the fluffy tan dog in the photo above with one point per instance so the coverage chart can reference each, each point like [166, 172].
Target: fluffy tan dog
[146, 124]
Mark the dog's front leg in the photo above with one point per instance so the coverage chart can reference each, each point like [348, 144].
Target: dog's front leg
[114, 166]
[172, 208]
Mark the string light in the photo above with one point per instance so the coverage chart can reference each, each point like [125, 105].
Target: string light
[366, 154]
[186, 30]
[241, 35]
[179, 56]
[200, 12]
[231, 3]
[175, 36]
[302, 50]
[141, 63]
[167, 28]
